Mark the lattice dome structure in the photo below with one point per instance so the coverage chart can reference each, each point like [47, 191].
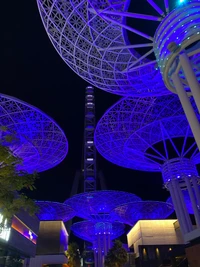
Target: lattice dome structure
[187, 201]
[88, 230]
[54, 211]
[144, 133]
[142, 210]
[178, 32]
[97, 205]
[91, 38]
[36, 138]
[152, 134]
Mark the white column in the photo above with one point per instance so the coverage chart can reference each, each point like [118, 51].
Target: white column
[184, 209]
[193, 201]
[196, 189]
[177, 209]
[187, 107]
[191, 78]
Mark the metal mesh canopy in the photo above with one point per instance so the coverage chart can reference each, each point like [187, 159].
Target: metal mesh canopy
[54, 211]
[97, 205]
[143, 210]
[37, 139]
[95, 46]
[144, 133]
[88, 230]
[186, 200]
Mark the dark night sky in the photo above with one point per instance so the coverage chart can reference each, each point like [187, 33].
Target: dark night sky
[31, 70]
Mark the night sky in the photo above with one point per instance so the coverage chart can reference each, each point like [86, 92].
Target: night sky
[31, 70]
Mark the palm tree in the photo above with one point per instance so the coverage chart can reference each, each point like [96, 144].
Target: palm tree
[117, 255]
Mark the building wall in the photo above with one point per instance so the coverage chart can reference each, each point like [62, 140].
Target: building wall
[52, 238]
[40, 261]
[153, 232]
[193, 255]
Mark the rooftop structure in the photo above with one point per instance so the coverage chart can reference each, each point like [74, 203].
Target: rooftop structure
[54, 211]
[142, 210]
[37, 139]
[153, 135]
[91, 38]
[97, 206]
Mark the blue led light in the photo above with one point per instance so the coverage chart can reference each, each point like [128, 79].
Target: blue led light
[38, 140]
[54, 211]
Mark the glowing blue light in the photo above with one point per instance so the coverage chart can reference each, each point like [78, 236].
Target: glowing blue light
[54, 211]
[38, 141]
[129, 129]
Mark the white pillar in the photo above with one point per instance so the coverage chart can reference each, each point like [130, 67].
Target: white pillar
[191, 78]
[193, 201]
[187, 107]
[196, 189]
[177, 209]
[184, 209]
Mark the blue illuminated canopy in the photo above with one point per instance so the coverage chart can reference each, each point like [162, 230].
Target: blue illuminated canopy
[37, 139]
[97, 205]
[144, 133]
[54, 211]
[142, 210]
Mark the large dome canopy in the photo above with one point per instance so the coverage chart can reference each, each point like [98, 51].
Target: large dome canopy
[95, 46]
[144, 133]
[37, 139]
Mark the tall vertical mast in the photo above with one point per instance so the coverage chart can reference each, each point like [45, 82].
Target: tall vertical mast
[89, 148]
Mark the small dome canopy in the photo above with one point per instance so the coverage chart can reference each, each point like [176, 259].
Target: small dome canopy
[142, 210]
[88, 230]
[54, 211]
[97, 205]
[36, 138]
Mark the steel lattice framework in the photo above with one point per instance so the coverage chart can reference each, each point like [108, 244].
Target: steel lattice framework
[90, 36]
[37, 139]
[89, 148]
[144, 133]
[54, 211]
[142, 210]
[97, 205]
[187, 201]
[88, 230]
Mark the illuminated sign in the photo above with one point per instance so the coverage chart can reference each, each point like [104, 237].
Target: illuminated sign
[23, 229]
[4, 229]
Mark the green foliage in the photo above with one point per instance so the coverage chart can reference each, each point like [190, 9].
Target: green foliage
[117, 255]
[12, 182]
[73, 255]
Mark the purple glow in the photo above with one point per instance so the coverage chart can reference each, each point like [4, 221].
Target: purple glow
[143, 210]
[128, 133]
[182, 28]
[97, 205]
[88, 230]
[83, 36]
[54, 211]
[38, 140]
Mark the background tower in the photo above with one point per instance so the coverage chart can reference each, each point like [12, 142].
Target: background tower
[89, 148]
